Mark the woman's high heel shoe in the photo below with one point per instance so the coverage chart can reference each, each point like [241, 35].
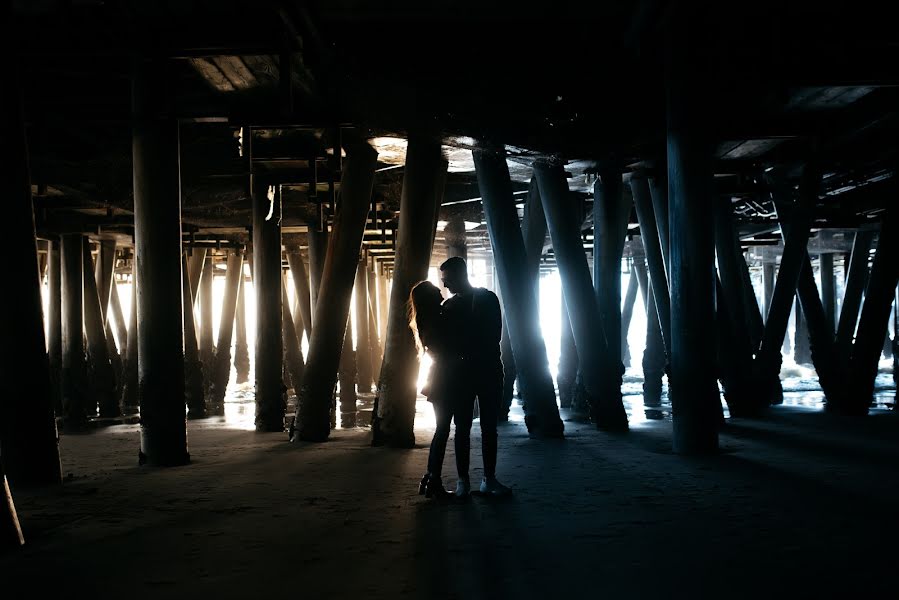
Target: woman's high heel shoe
[434, 489]
[423, 486]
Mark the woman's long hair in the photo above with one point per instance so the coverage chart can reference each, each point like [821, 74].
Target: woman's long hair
[424, 307]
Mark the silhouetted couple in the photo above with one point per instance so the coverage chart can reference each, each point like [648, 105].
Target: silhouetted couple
[462, 337]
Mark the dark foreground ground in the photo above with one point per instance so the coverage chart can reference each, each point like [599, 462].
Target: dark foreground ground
[802, 502]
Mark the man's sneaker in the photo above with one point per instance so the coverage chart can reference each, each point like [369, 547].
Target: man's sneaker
[463, 488]
[490, 486]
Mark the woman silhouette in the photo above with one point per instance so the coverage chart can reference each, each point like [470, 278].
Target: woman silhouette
[433, 335]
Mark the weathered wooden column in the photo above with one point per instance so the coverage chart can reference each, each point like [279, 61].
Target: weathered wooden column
[27, 426]
[129, 402]
[194, 395]
[802, 352]
[566, 378]
[346, 376]
[828, 292]
[74, 376]
[196, 260]
[207, 345]
[421, 196]
[241, 351]
[753, 315]
[654, 359]
[312, 422]
[601, 376]
[856, 281]
[363, 341]
[454, 237]
[157, 252]
[768, 359]
[105, 277]
[102, 378]
[521, 312]
[221, 363]
[293, 356]
[627, 313]
[611, 210]
[377, 355]
[118, 319]
[301, 287]
[318, 251]
[54, 337]
[270, 404]
[696, 405]
[875, 313]
[768, 285]
[383, 307]
[650, 226]
[737, 350]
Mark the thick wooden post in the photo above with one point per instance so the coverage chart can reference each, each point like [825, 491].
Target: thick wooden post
[28, 437]
[696, 405]
[312, 421]
[828, 294]
[74, 376]
[54, 337]
[207, 345]
[221, 364]
[601, 376]
[194, 395]
[102, 378]
[421, 196]
[129, 402]
[611, 210]
[875, 312]
[521, 309]
[363, 341]
[655, 255]
[293, 356]
[157, 252]
[301, 287]
[241, 351]
[270, 402]
[856, 280]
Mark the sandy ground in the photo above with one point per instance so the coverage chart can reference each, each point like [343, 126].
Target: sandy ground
[802, 501]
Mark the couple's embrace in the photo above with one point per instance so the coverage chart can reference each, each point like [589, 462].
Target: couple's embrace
[462, 336]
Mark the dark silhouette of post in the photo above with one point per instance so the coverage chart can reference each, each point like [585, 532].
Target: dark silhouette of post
[157, 251]
[194, 395]
[129, 401]
[421, 196]
[828, 293]
[74, 377]
[363, 341]
[454, 237]
[270, 404]
[207, 345]
[293, 356]
[521, 308]
[221, 363]
[611, 210]
[28, 437]
[768, 287]
[301, 287]
[655, 255]
[601, 376]
[875, 313]
[695, 401]
[54, 330]
[10, 530]
[377, 354]
[346, 376]
[856, 280]
[312, 421]
[102, 378]
[318, 251]
[241, 351]
[566, 378]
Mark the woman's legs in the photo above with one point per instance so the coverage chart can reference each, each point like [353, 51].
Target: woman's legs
[444, 416]
[463, 415]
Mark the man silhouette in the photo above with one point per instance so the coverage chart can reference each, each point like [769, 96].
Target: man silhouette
[474, 315]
